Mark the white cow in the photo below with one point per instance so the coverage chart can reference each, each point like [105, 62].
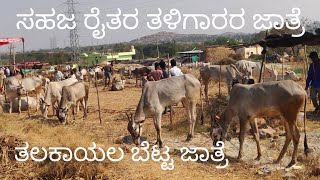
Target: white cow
[212, 73]
[156, 95]
[53, 94]
[16, 88]
[71, 95]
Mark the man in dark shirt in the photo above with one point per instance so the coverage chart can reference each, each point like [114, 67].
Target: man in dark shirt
[108, 72]
[313, 79]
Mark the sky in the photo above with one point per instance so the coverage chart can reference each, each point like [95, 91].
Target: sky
[40, 39]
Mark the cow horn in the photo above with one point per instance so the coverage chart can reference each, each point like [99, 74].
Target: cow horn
[131, 116]
[129, 119]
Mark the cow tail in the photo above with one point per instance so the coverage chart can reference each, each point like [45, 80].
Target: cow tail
[306, 148]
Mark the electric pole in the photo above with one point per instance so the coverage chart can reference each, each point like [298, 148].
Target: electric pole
[73, 35]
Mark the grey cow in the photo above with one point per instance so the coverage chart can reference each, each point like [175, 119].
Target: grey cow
[71, 95]
[156, 95]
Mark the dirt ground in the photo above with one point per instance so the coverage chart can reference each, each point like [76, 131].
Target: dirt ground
[113, 133]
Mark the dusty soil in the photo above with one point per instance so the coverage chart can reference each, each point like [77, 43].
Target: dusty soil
[113, 133]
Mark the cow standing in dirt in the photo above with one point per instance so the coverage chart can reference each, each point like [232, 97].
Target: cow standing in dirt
[71, 95]
[15, 87]
[140, 72]
[248, 102]
[156, 95]
[212, 73]
[53, 95]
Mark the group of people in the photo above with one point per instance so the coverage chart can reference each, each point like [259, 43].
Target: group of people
[160, 70]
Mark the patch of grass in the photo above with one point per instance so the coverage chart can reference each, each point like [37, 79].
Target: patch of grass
[298, 70]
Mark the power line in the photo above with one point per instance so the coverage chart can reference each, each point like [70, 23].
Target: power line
[74, 36]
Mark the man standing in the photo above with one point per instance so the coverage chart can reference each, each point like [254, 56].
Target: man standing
[165, 73]
[108, 72]
[175, 71]
[58, 74]
[313, 79]
[156, 74]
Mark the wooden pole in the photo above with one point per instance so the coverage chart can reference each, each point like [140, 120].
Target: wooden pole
[28, 104]
[282, 69]
[169, 75]
[99, 109]
[263, 60]
[306, 64]
[262, 67]
[23, 54]
[220, 80]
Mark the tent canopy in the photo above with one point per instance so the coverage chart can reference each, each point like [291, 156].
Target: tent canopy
[5, 41]
[286, 40]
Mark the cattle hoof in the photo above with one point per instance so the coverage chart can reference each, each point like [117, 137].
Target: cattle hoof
[258, 158]
[189, 138]
[292, 163]
[156, 142]
[276, 161]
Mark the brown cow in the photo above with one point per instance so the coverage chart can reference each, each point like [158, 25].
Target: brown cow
[248, 102]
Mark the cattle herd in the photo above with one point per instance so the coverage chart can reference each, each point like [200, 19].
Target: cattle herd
[275, 96]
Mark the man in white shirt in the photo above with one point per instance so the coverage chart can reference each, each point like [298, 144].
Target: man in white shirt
[58, 75]
[175, 71]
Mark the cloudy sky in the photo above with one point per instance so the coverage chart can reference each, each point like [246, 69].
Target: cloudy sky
[37, 39]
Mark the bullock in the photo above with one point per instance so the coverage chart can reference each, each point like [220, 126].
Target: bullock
[117, 85]
[253, 69]
[273, 98]
[15, 88]
[140, 72]
[290, 75]
[53, 94]
[71, 95]
[156, 95]
[26, 103]
[212, 72]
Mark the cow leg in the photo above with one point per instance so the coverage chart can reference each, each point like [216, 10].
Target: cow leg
[19, 105]
[287, 142]
[243, 123]
[157, 124]
[73, 114]
[83, 103]
[189, 112]
[206, 90]
[295, 138]
[10, 108]
[136, 81]
[37, 108]
[193, 112]
[78, 107]
[256, 137]
[45, 113]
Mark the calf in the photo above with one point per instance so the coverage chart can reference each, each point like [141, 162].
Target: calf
[71, 95]
[248, 102]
